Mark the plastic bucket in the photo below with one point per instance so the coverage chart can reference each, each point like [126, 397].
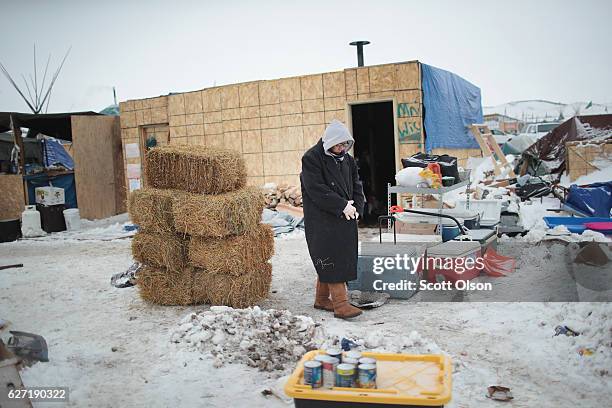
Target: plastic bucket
[73, 219]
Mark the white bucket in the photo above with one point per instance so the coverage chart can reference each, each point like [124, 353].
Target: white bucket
[30, 223]
[73, 219]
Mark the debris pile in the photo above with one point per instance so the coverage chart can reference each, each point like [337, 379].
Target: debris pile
[273, 340]
[266, 339]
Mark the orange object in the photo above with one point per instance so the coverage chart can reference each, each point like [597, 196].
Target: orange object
[396, 209]
[497, 265]
[435, 168]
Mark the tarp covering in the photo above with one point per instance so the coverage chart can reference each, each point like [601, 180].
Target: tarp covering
[57, 125]
[65, 181]
[451, 104]
[281, 222]
[594, 200]
[55, 154]
[549, 151]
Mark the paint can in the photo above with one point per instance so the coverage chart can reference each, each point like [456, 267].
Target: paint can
[328, 365]
[345, 375]
[336, 353]
[367, 375]
[367, 360]
[353, 354]
[313, 374]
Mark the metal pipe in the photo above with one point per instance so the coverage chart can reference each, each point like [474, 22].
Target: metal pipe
[359, 45]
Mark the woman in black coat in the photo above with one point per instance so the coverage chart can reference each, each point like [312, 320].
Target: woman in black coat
[332, 196]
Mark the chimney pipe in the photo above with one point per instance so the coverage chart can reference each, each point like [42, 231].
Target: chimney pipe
[359, 45]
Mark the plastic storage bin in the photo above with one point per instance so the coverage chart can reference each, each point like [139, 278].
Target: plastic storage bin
[573, 224]
[403, 380]
[490, 210]
[369, 281]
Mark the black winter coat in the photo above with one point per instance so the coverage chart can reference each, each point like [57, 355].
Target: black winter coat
[327, 185]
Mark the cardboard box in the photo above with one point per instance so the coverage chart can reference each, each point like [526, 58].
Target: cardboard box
[415, 229]
[49, 195]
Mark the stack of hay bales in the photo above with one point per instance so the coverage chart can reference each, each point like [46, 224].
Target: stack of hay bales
[200, 237]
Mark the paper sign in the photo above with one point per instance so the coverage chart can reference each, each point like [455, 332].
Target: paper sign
[134, 184]
[132, 151]
[133, 171]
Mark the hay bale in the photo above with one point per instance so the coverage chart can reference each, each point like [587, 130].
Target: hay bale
[196, 169]
[235, 255]
[163, 287]
[238, 292]
[168, 251]
[151, 209]
[220, 215]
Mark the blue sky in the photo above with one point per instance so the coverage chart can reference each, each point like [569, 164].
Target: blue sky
[555, 50]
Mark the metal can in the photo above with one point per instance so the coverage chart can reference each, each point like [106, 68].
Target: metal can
[329, 365]
[367, 375]
[313, 374]
[354, 354]
[367, 360]
[345, 375]
[347, 360]
[336, 353]
[320, 357]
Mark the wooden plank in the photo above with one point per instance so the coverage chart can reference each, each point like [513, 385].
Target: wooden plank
[98, 162]
[312, 86]
[11, 199]
[490, 148]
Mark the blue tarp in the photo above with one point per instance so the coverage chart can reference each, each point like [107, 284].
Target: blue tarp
[65, 181]
[281, 222]
[594, 200]
[54, 153]
[451, 104]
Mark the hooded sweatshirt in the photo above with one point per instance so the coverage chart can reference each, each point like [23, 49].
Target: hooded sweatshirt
[336, 133]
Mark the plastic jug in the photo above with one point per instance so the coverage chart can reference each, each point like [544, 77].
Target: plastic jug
[73, 219]
[30, 223]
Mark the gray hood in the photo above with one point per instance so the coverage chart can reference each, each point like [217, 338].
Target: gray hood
[336, 133]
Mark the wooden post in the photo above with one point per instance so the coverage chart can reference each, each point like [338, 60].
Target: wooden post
[19, 142]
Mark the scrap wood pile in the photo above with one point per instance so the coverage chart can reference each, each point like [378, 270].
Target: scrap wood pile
[282, 193]
[200, 237]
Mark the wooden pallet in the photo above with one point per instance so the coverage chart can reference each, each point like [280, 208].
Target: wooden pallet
[490, 148]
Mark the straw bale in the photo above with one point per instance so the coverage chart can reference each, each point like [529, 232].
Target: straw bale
[163, 287]
[151, 209]
[234, 255]
[196, 169]
[219, 215]
[161, 250]
[237, 292]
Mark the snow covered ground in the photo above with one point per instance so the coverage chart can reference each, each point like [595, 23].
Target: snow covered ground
[112, 349]
[536, 110]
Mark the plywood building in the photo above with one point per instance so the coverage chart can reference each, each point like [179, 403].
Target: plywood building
[273, 122]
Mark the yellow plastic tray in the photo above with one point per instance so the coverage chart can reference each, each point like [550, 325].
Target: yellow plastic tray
[401, 379]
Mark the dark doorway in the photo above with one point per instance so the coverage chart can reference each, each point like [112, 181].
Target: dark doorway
[374, 152]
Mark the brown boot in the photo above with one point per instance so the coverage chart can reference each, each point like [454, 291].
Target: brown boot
[342, 308]
[322, 297]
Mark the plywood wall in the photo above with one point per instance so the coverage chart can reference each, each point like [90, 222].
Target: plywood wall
[584, 158]
[99, 166]
[273, 122]
[11, 197]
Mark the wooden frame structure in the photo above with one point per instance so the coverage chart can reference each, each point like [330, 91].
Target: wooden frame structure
[491, 149]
